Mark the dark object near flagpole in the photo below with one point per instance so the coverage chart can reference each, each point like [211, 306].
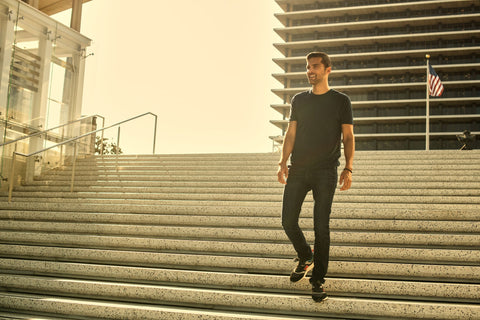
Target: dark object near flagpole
[467, 139]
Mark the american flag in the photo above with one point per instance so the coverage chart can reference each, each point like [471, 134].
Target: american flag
[435, 86]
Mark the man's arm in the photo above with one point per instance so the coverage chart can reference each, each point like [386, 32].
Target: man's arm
[287, 148]
[348, 150]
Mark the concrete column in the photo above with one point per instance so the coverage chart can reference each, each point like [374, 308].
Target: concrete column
[78, 79]
[74, 86]
[75, 82]
[39, 109]
[76, 20]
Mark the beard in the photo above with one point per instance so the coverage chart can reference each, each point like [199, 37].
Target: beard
[315, 80]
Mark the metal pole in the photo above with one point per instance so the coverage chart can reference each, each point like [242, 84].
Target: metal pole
[427, 123]
[101, 144]
[61, 147]
[154, 134]
[118, 146]
[12, 175]
[118, 140]
[74, 165]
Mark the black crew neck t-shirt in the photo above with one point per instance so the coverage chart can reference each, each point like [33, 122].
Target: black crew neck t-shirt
[319, 127]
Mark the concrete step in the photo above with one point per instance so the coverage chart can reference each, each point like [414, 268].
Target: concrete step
[413, 155]
[240, 158]
[237, 160]
[237, 221]
[127, 168]
[253, 190]
[425, 250]
[403, 155]
[147, 198]
[131, 186]
[370, 176]
[428, 169]
[26, 316]
[87, 309]
[246, 301]
[411, 290]
[418, 270]
[372, 153]
[369, 237]
[404, 211]
[455, 206]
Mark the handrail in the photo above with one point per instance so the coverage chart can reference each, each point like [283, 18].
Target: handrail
[15, 153]
[50, 129]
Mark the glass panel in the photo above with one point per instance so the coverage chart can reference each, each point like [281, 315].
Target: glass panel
[16, 113]
[24, 93]
[60, 86]
[5, 45]
[55, 104]
[24, 78]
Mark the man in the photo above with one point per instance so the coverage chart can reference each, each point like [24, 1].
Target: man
[318, 119]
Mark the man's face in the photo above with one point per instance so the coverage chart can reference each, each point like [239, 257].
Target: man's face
[316, 71]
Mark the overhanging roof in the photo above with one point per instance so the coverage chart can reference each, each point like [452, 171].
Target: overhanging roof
[51, 7]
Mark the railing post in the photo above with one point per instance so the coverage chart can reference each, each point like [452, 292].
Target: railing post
[101, 141]
[154, 133]
[73, 165]
[118, 146]
[61, 147]
[12, 175]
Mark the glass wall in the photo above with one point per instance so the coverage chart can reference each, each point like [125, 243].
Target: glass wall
[61, 86]
[21, 72]
[42, 65]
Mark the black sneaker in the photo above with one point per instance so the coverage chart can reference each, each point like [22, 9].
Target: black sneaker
[301, 269]
[318, 293]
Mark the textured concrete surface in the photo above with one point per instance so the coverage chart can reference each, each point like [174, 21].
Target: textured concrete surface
[340, 286]
[251, 300]
[186, 237]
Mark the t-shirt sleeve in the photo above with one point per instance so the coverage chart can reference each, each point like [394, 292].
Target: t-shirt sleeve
[347, 114]
[293, 110]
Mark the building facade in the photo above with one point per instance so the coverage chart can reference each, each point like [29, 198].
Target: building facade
[42, 65]
[378, 49]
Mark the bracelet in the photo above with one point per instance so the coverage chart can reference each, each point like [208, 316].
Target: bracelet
[350, 170]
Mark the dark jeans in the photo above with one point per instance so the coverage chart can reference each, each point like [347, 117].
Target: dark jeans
[323, 183]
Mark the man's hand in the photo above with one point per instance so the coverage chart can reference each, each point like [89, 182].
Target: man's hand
[282, 173]
[345, 180]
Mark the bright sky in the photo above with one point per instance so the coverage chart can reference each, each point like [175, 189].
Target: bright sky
[204, 67]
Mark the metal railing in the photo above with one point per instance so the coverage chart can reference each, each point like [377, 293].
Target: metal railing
[54, 128]
[46, 131]
[74, 141]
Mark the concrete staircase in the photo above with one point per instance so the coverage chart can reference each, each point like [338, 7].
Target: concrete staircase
[199, 237]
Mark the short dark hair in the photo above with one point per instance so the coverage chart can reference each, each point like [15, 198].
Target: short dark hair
[325, 58]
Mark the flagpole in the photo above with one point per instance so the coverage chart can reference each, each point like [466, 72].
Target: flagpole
[427, 124]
